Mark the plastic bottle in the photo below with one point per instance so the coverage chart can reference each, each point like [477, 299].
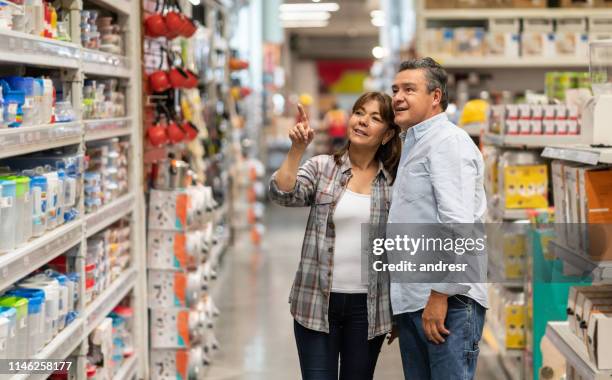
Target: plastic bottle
[75, 280]
[51, 305]
[52, 199]
[4, 333]
[65, 295]
[11, 342]
[38, 186]
[36, 316]
[21, 329]
[23, 221]
[38, 101]
[61, 195]
[47, 101]
[9, 215]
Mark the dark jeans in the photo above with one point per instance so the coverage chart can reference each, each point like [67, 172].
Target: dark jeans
[456, 358]
[347, 340]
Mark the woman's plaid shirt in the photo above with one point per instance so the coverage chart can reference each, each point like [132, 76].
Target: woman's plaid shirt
[320, 184]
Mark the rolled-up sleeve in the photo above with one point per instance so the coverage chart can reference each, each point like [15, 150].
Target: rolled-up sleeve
[305, 186]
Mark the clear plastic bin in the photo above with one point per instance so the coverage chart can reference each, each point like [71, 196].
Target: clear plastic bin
[21, 328]
[9, 215]
[36, 317]
[11, 342]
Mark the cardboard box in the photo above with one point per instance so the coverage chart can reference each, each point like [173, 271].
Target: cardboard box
[573, 299]
[570, 175]
[592, 306]
[538, 44]
[529, 3]
[598, 209]
[504, 44]
[472, 3]
[585, 304]
[572, 44]
[600, 344]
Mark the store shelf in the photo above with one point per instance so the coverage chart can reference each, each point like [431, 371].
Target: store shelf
[109, 214]
[490, 335]
[480, 14]
[598, 270]
[23, 140]
[100, 307]
[22, 48]
[119, 6]
[107, 128]
[16, 264]
[127, 371]
[527, 141]
[574, 350]
[581, 153]
[100, 63]
[484, 62]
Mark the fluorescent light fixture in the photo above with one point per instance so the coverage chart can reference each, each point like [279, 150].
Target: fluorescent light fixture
[377, 13]
[378, 52]
[304, 16]
[309, 7]
[378, 22]
[316, 1]
[304, 24]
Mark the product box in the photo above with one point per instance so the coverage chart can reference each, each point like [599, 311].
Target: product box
[473, 3]
[600, 24]
[175, 250]
[169, 328]
[573, 300]
[515, 326]
[168, 210]
[169, 364]
[168, 289]
[572, 44]
[586, 301]
[469, 41]
[526, 186]
[593, 306]
[570, 176]
[101, 349]
[503, 44]
[600, 344]
[598, 211]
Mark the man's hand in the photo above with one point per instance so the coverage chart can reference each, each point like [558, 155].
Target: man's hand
[392, 335]
[434, 316]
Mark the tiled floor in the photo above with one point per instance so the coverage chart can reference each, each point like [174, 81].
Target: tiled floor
[255, 328]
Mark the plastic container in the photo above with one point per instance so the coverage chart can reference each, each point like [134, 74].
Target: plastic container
[36, 316]
[9, 215]
[75, 280]
[21, 329]
[11, 314]
[4, 333]
[47, 102]
[38, 101]
[61, 195]
[51, 306]
[38, 187]
[23, 221]
[52, 199]
[65, 295]
[26, 86]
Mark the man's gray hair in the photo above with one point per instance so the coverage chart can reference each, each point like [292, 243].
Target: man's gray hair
[435, 74]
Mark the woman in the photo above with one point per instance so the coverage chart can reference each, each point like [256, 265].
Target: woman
[336, 315]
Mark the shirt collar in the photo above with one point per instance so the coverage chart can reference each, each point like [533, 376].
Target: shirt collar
[346, 167]
[423, 127]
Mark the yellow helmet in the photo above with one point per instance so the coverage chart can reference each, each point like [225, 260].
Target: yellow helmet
[475, 111]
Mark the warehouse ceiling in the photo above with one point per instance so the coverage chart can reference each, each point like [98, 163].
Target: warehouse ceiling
[349, 34]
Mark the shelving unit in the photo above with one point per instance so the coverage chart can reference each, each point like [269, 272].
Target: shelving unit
[584, 154]
[599, 271]
[484, 13]
[74, 63]
[574, 351]
[527, 63]
[527, 141]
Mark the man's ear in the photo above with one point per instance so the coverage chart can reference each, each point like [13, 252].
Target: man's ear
[437, 97]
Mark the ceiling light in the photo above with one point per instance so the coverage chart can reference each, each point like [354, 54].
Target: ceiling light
[304, 24]
[378, 22]
[378, 52]
[195, 2]
[309, 7]
[315, 1]
[304, 16]
[377, 13]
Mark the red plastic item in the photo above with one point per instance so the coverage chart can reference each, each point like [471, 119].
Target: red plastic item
[178, 77]
[159, 81]
[155, 25]
[190, 130]
[175, 133]
[157, 135]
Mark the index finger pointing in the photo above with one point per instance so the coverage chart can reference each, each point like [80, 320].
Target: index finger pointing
[303, 116]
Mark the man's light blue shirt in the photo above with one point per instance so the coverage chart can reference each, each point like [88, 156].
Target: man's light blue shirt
[440, 179]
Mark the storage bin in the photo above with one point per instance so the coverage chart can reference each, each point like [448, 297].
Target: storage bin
[21, 324]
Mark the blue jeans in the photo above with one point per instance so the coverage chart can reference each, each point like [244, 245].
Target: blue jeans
[347, 340]
[456, 358]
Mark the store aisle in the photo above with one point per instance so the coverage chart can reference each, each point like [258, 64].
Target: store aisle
[255, 330]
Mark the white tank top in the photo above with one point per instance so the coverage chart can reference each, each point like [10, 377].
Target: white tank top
[352, 210]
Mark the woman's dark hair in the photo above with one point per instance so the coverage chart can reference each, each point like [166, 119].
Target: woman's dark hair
[389, 154]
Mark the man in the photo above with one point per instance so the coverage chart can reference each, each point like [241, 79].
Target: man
[439, 180]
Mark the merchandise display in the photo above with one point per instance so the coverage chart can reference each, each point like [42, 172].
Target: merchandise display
[106, 176]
